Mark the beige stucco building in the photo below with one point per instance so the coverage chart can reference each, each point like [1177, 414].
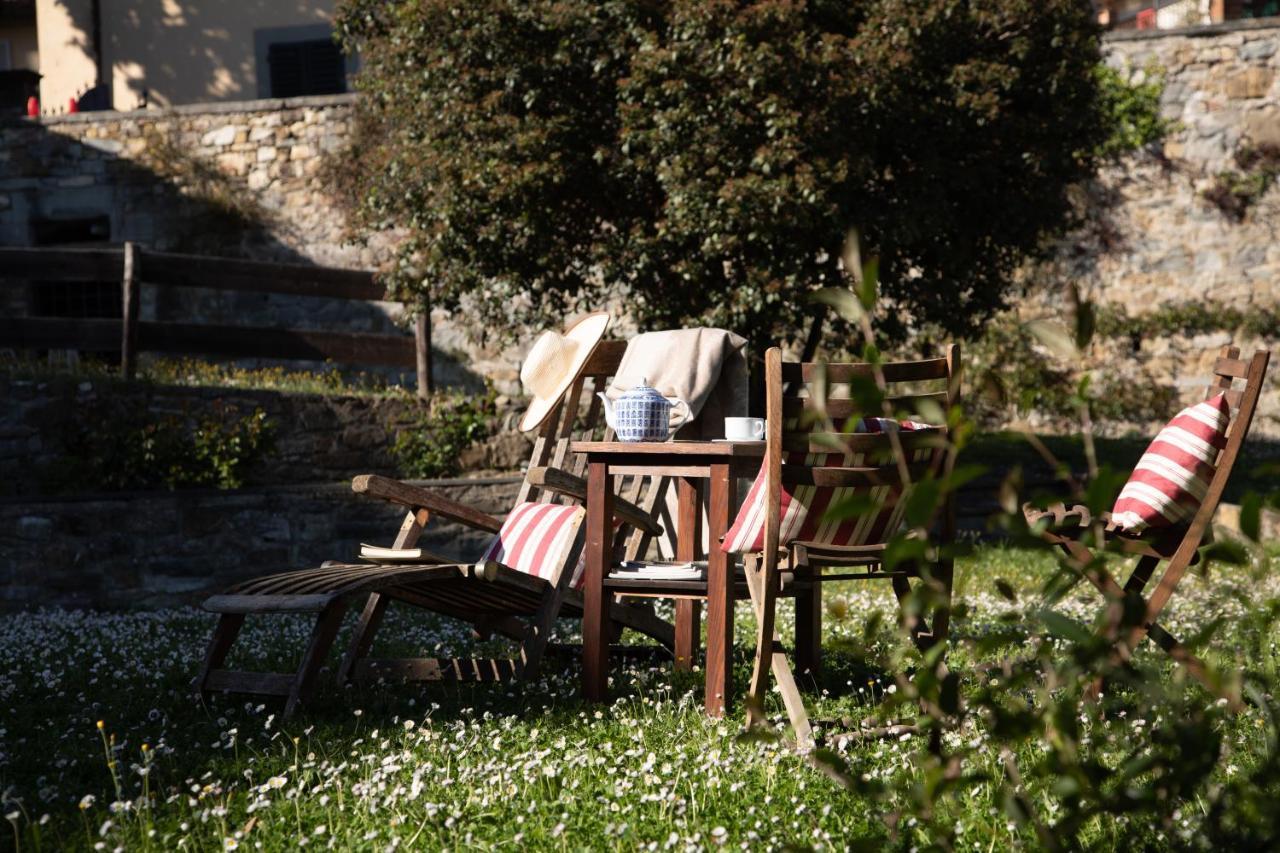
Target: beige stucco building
[131, 54]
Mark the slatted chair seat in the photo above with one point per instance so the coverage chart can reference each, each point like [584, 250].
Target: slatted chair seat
[491, 596]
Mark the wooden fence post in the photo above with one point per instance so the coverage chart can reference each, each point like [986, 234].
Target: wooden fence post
[422, 348]
[129, 311]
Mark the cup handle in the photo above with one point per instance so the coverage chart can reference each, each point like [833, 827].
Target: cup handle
[683, 418]
[758, 431]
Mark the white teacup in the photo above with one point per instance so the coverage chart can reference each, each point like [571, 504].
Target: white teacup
[744, 429]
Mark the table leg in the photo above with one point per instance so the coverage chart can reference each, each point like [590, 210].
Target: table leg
[596, 621]
[689, 532]
[719, 592]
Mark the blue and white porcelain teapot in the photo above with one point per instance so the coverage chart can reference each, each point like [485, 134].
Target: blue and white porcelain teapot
[642, 414]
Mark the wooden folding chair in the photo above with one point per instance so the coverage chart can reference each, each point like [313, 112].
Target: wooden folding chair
[1077, 533]
[492, 597]
[842, 464]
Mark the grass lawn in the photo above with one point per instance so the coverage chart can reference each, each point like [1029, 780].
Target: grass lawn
[501, 767]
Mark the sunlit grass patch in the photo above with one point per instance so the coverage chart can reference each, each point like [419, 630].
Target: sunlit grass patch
[490, 766]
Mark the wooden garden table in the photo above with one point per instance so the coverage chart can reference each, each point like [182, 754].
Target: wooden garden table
[720, 463]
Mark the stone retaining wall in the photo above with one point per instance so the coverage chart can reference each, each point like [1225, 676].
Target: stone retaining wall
[157, 549]
[317, 438]
[1167, 242]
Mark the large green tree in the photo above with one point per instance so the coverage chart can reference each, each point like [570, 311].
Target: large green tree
[710, 157]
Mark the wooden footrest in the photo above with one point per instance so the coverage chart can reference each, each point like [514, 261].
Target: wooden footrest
[435, 669]
[267, 603]
[240, 681]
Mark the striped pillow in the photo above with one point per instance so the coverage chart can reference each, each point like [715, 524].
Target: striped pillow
[536, 539]
[1171, 478]
[804, 507]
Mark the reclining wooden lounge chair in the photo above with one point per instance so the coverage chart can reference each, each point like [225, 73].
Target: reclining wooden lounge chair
[492, 596]
[1075, 531]
[806, 468]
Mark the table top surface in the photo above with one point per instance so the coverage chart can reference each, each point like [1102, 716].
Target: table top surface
[730, 449]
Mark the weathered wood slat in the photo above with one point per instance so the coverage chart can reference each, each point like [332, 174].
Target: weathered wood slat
[875, 443]
[415, 497]
[843, 407]
[563, 482]
[266, 603]
[91, 334]
[61, 264]
[178, 270]
[231, 341]
[241, 342]
[894, 371]
[436, 669]
[857, 477]
[240, 681]
[1234, 367]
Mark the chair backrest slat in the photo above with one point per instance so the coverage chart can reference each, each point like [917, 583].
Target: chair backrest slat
[799, 441]
[893, 371]
[859, 477]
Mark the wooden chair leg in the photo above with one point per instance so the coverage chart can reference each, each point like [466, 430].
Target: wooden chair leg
[322, 636]
[791, 699]
[375, 607]
[224, 636]
[809, 630]
[688, 628]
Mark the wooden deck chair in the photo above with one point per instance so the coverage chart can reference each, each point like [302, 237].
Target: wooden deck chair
[803, 474]
[1075, 531]
[493, 597]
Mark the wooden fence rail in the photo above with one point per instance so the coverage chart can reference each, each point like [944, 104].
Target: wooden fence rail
[134, 268]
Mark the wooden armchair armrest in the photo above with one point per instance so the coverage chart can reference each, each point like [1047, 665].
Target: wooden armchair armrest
[565, 483]
[822, 554]
[415, 497]
[1161, 542]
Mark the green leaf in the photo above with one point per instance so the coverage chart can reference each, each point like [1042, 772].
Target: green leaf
[1065, 627]
[870, 283]
[1055, 338]
[1251, 516]
[845, 302]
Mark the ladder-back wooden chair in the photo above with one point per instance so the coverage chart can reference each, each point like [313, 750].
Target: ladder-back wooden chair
[807, 470]
[493, 597]
[1177, 547]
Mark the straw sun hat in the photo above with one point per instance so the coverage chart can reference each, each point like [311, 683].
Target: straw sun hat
[553, 363]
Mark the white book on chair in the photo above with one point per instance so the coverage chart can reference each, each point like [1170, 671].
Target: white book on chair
[644, 570]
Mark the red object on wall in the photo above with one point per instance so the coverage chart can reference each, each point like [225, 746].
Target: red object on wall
[33, 106]
[74, 106]
[1147, 19]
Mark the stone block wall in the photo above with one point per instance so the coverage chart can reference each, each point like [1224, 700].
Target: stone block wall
[317, 438]
[1169, 243]
[158, 549]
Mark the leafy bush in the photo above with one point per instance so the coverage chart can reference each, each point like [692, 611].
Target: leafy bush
[1236, 192]
[110, 447]
[710, 157]
[1132, 109]
[450, 424]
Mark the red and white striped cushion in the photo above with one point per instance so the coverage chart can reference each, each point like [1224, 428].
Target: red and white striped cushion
[1171, 478]
[804, 507]
[536, 539]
